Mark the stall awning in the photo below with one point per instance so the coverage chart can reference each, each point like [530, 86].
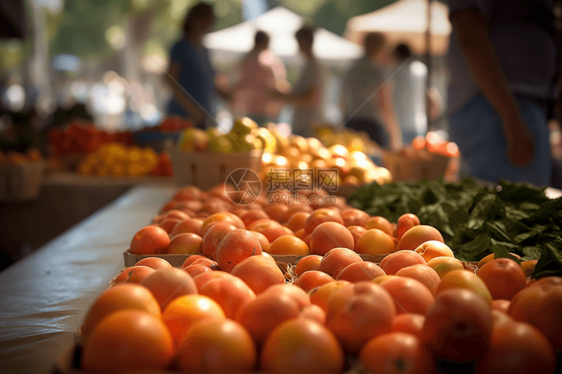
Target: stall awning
[405, 21]
[281, 25]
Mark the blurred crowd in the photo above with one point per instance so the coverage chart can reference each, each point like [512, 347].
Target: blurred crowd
[390, 109]
[501, 106]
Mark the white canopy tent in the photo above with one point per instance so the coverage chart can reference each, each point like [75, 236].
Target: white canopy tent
[405, 21]
[281, 25]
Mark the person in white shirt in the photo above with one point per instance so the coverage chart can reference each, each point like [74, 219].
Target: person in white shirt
[410, 81]
[306, 95]
[367, 97]
[409, 94]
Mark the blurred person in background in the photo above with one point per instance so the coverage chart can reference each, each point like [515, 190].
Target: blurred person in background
[190, 69]
[367, 99]
[306, 95]
[260, 72]
[503, 63]
[410, 81]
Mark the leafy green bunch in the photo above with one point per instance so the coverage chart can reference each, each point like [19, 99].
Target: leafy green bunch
[476, 221]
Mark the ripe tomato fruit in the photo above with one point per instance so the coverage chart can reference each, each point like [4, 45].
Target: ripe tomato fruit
[150, 240]
[458, 325]
[395, 353]
[127, 341]
[301, 345]
[216, 345]
[503, 277]
[119, 297]
[517, 348]
[540, 305]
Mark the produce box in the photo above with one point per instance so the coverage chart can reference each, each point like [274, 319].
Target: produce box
[22, 181]
[177, 260]
[414, 167]
[69, 362]
[290, 259]
[208, 169]
[174, 260]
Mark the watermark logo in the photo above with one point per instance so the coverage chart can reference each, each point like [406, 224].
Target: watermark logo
[296, 180]
[284, 186]
[247, 186]
[302, 186]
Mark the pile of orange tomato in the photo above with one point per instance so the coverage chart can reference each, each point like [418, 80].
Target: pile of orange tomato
[433, 143]
[81, 137]
[231, 308]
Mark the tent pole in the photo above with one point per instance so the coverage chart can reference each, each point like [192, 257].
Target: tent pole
[428, 60]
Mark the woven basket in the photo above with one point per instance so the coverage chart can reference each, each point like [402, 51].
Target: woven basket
[21, 182]
[405, 167]
[207, 169]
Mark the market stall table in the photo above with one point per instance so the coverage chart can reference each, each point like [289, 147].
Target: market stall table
[44, 297]
[65, 200]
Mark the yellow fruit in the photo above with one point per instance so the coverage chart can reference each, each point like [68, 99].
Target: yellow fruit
[243, 126]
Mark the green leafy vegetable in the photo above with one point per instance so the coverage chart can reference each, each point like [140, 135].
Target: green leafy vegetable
[476, 221]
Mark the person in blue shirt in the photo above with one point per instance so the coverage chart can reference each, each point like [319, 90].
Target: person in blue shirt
[503, 62]
[190, 69]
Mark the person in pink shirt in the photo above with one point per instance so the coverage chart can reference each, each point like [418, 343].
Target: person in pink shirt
[260, 73]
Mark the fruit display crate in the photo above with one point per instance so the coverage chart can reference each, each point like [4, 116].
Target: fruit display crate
[208, 169]
[130, 259]
[405, 167]
[21, 182]
[69, 362]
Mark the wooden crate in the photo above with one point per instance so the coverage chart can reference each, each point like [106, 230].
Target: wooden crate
[177, 260]
[404, 167]
[21, 182]
[70, 362]
[207, 169]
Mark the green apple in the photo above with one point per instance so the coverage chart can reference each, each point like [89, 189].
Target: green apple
[243, 126]
[221, 144]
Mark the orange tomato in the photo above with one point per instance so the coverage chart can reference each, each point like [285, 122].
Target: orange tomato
[540, 305]
[293, 291]
[235, 247]
[517, 348]
[216, 345]
[312, 279]
[181, 313]
[467, 280]
[150, 240]
[168, 284]
[154, 263]
[229, 292]
[134, 274]
[458, 325]
[302, 346]
[503, 277]
[409, 323]
[118, 297]
[310, 262]
[359, 312]
[395, 353]
[128, 340]
[264, 313]
[409, 295]
[259, 273]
